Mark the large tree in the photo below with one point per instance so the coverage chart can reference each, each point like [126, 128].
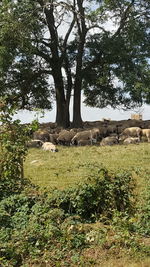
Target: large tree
[51, 49]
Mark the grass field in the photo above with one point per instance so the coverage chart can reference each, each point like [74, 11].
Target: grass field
[73, 164]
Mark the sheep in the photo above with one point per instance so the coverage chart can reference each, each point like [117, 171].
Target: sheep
[131, 140]
[102, 132]
[132, 132]
[95, 133]
[146, 132]
[111, 129]
[53, 138]
[84, 142]
[34, 143]
[48, 146]
[65, 137]
[42, 135]
[122, 137]
[85, 135]
[109, 141]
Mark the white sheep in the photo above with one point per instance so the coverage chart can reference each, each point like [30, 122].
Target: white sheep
[96, 133]
[131, 140]
[84, 135]
[91, 135]
[146, 132]
[132, 132]
[48, 146]
[109, 141]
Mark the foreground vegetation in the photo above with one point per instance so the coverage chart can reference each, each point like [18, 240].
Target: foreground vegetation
[99, 222]
[83, 206]
[83, 213]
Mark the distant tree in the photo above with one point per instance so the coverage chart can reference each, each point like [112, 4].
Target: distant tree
[52, 49]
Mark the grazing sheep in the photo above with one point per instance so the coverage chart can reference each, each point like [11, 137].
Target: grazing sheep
[42, 135]
[85, 135]
[65, 137]
[109, 141]
[48, 146]
[131, 140]
[34, 143]
[146, 132]
[132, 132]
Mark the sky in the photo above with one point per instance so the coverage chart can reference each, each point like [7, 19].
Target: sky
[88, 114]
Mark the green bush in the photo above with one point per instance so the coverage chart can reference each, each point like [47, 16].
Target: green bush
[13, 150]
[98, 196]
[31, 225]
[143, 213]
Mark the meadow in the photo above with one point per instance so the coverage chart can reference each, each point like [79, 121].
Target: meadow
[72, 165]
[117, 245]
[85, 206]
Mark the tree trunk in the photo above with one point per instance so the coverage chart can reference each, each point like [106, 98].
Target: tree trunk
[62, 114]
[62, 106]
[77, 120]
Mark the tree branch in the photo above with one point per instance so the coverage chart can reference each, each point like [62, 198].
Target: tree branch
[97, 26]
[69, 30]
[43, 55]
[66, 39]
[123, 19]
[41, 2]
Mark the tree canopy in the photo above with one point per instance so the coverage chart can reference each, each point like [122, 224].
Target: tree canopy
[51, 49]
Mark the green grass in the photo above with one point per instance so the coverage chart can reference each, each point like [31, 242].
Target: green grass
[71, 164]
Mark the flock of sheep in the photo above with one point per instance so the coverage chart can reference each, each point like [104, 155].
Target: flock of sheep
[107, 133]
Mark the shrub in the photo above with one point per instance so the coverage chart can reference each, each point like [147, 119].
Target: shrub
[33, 225]
[98, 196]
[13, 150]
[143, 213]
